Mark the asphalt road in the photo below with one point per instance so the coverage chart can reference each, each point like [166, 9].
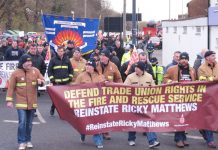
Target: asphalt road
[51, 133]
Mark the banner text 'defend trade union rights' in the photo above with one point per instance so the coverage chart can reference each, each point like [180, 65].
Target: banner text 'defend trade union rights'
[100, 107]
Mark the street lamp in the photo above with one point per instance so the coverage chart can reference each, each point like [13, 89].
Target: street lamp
[72, 12]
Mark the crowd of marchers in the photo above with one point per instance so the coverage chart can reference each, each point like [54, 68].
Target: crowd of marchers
[110, 61]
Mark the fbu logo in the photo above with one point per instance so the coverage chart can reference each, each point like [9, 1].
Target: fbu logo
[182, 119]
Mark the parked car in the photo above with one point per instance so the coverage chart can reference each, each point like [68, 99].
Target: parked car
[30, 34]
[6, 35]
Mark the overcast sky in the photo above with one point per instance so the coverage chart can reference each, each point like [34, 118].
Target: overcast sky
[153, 9]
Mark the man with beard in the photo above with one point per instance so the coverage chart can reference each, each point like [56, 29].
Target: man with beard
[181, 72]
[23, 82]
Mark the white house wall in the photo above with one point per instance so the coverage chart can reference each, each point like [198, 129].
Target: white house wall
[213, 3]
[214, 39]
[191, 42]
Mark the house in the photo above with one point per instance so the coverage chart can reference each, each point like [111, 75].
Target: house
[192, 34]
[187, 35]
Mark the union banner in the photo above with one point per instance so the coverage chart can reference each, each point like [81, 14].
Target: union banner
[102, 107]
[60, 29]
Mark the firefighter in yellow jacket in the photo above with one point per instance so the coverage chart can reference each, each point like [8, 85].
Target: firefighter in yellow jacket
[141, 78]
[91, 75]
[110, 72]
[23, 82]
[78, 63]
[208, 71]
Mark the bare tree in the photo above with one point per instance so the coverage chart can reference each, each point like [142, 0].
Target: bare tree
[25, 14]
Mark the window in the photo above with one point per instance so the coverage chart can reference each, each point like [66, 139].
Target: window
[185, 30]
[175, 30]
[198, 30]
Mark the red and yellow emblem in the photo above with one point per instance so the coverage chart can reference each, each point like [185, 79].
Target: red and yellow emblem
[66, 35]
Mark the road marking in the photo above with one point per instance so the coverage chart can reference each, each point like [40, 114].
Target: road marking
[41, 119]
[14, 121]
[188, 136]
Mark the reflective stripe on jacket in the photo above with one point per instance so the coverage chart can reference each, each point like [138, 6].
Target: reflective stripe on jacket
[207, 72]
[158, 74]
[24, 84]
[60, 71]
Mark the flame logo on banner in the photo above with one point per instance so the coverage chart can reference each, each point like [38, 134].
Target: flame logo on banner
[182, 119]
[66, 35]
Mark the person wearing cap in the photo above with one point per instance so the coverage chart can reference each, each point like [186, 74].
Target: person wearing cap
[46, 49]
[157, 70]
[91, 75]
[208, 71]
[126, 56]
[37, 61]
[113, 57]
[60, 71]
[150, 49]
[23, 82]
[119, 50]
[70, 48]
[108, 68]
[13, 52]
[182, 72]
[110, 72]
[78, 63]
[143, 57]
[141, 78]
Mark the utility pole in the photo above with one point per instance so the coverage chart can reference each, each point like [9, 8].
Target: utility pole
[124, 21]
[134, 22]
[137, 21]
[85, 8]
[182, 10]
[169, 9]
